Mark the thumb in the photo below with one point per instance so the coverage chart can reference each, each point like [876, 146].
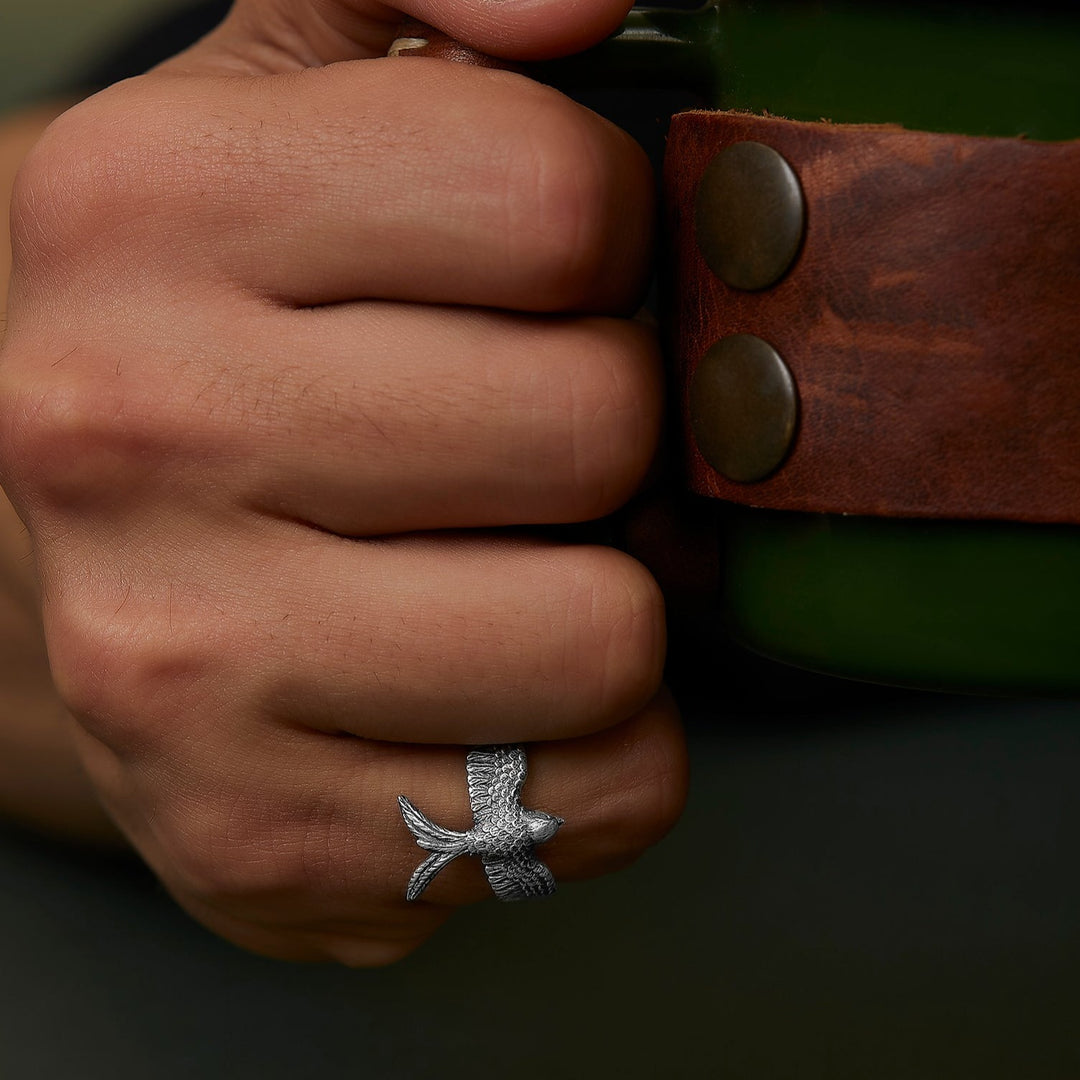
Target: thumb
[264, 36]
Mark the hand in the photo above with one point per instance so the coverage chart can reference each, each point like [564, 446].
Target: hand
[297, 336]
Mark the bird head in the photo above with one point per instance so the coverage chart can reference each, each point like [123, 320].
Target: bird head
[543, 826]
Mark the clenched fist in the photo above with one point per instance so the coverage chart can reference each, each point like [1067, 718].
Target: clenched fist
[301, 341]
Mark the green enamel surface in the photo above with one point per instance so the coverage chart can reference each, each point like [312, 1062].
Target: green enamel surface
[945, 605]
[947, 67]
[982, 607]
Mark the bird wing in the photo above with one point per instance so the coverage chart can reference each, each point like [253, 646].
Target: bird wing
[518, 877]
[496, 775]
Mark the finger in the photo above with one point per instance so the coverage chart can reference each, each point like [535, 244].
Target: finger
[409, 180]
[474, 421]
[283, 35]
[618, 791]
[313, 850]
[529, 30]
[373, 419]
[443, 638]
[464, 640]
[362, 420]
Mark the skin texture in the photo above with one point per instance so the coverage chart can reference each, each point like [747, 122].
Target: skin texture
[41, 780]
[301, 342]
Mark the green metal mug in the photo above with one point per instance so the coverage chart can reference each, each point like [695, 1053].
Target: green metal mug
[977, 606]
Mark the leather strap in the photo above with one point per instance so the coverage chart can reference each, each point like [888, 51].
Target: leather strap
[931, 320]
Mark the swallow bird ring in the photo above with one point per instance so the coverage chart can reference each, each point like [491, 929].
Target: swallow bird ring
[503, 834]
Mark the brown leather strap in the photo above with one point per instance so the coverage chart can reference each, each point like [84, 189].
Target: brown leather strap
[931, 320]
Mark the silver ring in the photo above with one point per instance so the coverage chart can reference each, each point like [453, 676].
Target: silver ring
[503, 835]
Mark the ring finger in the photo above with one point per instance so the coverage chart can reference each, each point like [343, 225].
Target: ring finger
[322, 860]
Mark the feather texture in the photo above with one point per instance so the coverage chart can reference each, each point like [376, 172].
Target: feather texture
[504, 834]
[428, 835]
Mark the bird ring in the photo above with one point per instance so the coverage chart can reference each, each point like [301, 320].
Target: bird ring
[503, 835]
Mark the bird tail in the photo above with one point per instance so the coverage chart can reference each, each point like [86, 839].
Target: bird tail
[426, 871]
[446, 845]
[428, 835]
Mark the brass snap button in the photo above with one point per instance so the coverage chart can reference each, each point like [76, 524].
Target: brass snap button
[749, 215]
[743, 408]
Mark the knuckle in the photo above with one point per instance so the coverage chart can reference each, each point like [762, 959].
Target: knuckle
[92, 667]
[615, 406]
[88, 176]
[567, 191]
[71, 444]
[45, 196]
[122, 669]
[658, 782]
[644, 798]
[621, 612]
[121, 189]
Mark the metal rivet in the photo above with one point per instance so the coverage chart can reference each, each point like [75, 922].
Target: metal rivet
[750, 215]
[743, 408]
